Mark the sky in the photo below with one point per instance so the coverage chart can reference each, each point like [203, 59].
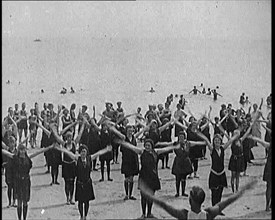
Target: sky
[213, 20]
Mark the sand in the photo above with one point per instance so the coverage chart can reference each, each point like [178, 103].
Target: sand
[48, 202]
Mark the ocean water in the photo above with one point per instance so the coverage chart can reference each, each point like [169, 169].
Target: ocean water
[124, 69]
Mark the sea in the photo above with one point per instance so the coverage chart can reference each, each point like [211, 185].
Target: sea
[124, 69]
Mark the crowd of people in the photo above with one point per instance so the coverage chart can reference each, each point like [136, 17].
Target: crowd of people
[75, 141]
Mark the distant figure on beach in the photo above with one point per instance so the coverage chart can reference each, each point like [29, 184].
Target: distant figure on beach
[72, 90]
[63, 91]
[215, 94]
[195, 90]
[242, 99]
[42, 90]
[151, 90]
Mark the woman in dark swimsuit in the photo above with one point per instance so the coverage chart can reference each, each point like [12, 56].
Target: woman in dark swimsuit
[84, 187]
[22, 164]
[148, 172]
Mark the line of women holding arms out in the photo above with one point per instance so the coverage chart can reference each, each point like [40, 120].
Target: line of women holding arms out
[79, 164]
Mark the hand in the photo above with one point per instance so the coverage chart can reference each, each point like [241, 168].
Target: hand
[118, 141]
[93, 108]
[109, 148]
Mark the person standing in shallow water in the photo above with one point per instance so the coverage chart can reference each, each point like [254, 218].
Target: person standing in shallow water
[195, 91]
[22, 165]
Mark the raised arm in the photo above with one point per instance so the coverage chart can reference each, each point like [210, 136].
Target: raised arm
[56, 135]
[177, 213]
[261, 104]
[206, 141]
[230, 141]
[68, 127]
[107, 149]
[136, 135]
[181, 125]
[7, 153]
[4, 146]
[122, 118]
[43, 128]
[40, 151]
[163, 127]
[77, 140]
[15, 130]
[116, 132]
[217, 209]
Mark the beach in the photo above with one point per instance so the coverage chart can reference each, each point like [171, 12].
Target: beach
[110, 52]
[109, 203]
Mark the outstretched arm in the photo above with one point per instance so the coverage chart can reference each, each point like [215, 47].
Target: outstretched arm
[125, 144]
[69, 153]
[202, 136]
[116, 132]
[101, 152]
[147, 192]
[56, 135]
[4, 146]
[267, 129]
[7, 153]
[166, 149]
[40, 151]
[43, 128]
[163, 127]
[136, 135]
[68, 127]
[262, 142]
[230, 141]
[215, 210]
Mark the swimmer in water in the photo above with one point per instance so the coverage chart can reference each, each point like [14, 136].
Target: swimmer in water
[195, 91]
[215, 94]
[152, 90]
[72, 90]
[42, 90]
